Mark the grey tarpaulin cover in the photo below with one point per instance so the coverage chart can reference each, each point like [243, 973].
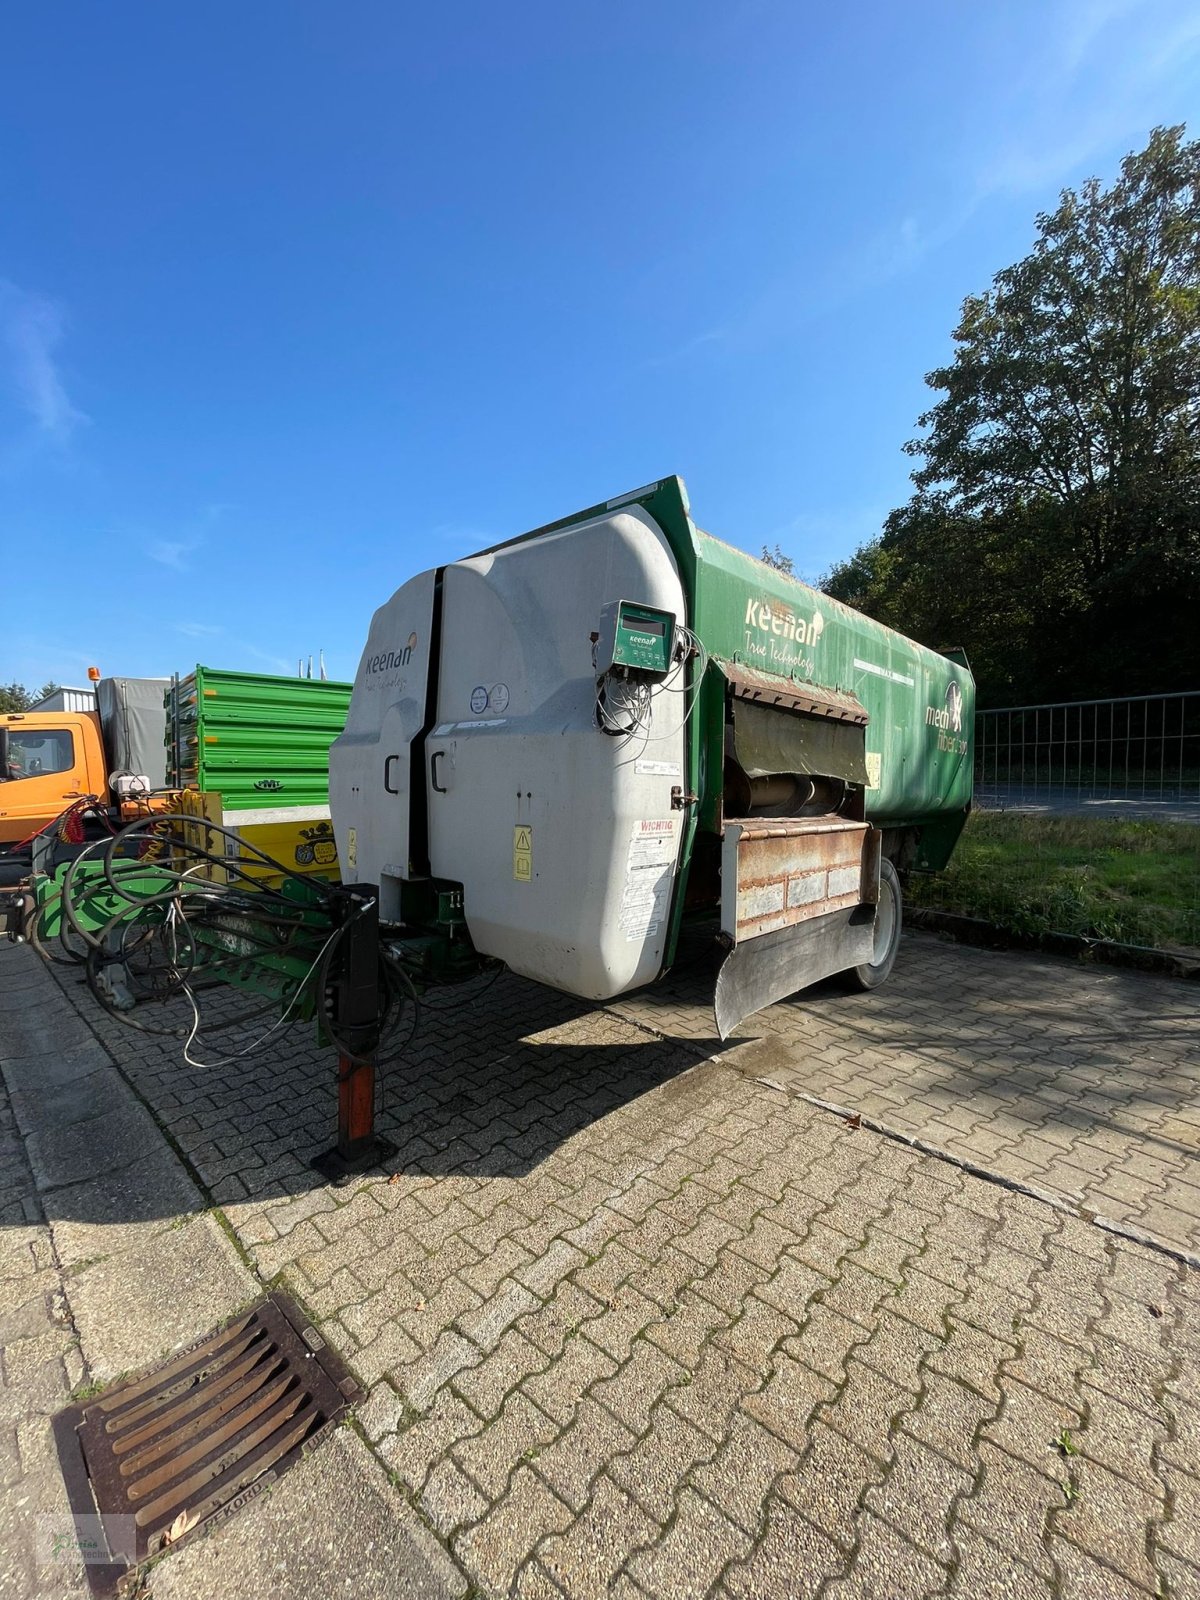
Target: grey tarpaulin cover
[134, 720]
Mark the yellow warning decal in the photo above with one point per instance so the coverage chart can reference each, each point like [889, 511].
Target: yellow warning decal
[523, 853]
[352, 849]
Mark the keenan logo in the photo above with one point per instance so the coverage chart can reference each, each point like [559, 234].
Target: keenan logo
[783, 624]
[389, 660]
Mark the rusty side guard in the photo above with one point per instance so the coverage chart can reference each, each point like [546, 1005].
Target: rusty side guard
[798, 894]
[797, 904]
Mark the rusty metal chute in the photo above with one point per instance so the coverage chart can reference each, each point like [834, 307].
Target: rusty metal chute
[792, 694]
[785, 725]
[799, 889]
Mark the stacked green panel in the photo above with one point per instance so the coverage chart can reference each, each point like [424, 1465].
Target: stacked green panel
[257, 740]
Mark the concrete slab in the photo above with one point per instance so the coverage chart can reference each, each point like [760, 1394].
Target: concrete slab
[61, 1064]
[333, 1526]
[37, 1031]
[119, 1210]
[80, 1150]
[43, 1100]
[136, 1306]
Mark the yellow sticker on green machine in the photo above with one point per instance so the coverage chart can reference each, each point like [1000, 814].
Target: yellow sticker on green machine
[523, 853]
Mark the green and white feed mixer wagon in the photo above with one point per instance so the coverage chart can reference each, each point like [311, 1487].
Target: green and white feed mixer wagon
[586, 735]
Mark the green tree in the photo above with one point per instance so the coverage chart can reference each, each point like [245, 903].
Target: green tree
[16, 697]
[777, 559]
[1059, 476]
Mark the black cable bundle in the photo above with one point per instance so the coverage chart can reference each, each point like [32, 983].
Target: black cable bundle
[154, 937]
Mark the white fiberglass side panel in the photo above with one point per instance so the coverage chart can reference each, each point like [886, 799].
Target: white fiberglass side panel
[564, 837]
[370, 763]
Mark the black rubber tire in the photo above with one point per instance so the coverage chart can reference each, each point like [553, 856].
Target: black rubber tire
[889, 922]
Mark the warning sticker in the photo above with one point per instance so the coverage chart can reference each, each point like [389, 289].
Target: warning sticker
[649, 873]
[523, 853]
[352, 849]
[874, 765]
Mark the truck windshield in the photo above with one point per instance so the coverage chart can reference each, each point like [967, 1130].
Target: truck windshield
[37, 752]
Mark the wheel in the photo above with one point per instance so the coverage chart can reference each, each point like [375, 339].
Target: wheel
[889, 918]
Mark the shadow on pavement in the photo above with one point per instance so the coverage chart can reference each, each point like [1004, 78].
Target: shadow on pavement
[500, 1080]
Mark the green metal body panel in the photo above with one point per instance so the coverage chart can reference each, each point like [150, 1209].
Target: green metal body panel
[920, 766]
[256, 740]
[92, 899]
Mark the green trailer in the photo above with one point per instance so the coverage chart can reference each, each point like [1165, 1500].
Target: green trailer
[249, 751]
[259, 740]
[616, 721]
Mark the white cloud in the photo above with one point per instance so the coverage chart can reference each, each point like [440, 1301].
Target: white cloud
[31, 328]
[1099, 75]
[174, 553]
[1099, 83]
[171, 552]
[198, 630]
[277, 662]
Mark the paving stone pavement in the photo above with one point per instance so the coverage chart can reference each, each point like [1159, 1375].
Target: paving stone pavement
[108, 1261]
[636, 1323]
[1080, 1080]
[39, 1365]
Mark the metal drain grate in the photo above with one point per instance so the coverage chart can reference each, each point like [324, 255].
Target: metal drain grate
[194, 1439]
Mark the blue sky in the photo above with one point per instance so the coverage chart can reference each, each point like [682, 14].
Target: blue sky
[298, 299]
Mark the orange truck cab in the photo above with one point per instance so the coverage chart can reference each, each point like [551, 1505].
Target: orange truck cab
[51, 759]
[47, 760]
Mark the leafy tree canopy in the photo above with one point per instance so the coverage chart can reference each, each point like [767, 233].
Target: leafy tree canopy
[16, 697]
[1055, 531]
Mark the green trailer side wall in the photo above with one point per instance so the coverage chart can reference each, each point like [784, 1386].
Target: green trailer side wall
[256, 740]
[748, 612]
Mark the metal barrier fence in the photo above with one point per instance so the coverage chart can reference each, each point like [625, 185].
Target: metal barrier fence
[1139, 755]
[1087, 823]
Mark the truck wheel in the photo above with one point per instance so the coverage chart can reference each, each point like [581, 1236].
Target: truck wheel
[889, 919]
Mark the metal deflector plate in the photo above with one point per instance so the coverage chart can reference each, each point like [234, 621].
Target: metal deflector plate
[191, 1440]
[761, 971]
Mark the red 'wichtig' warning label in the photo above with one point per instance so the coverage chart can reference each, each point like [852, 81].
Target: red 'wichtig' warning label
[649, 871]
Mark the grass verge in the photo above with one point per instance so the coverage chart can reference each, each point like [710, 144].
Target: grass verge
[1124, 882]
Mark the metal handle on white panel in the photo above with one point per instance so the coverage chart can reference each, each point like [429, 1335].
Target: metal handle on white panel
[433, 771]
[387, 774]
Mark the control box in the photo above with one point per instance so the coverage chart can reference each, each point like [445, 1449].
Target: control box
[635, 637]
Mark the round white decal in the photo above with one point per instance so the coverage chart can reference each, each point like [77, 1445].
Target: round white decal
[499, 697]
[479, 699]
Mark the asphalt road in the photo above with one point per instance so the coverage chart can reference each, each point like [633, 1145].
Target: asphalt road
[1173, 805]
